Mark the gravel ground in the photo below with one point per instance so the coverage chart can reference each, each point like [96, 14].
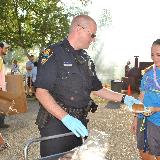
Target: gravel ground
[111, 119]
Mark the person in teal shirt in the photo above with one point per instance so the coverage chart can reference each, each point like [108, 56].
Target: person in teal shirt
[147, 127]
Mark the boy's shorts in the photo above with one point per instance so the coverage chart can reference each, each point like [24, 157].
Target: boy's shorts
[153, 138]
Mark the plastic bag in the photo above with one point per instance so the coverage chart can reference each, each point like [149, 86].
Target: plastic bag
[94, 148]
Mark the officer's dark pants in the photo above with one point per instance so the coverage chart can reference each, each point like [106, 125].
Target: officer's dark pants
[58, 145]
[2, 117]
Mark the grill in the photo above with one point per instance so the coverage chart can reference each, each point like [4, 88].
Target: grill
[36, 140]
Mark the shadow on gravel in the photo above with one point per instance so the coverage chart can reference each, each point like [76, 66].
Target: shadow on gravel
[113, 105]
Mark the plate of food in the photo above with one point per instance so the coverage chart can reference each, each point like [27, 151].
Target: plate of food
[140, 108]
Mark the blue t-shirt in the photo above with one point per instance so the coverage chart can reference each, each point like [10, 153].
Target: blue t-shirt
[152, 93]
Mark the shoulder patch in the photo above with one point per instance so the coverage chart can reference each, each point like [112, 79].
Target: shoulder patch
[46, 54]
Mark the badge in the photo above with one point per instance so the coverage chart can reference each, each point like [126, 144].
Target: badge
[46, 55]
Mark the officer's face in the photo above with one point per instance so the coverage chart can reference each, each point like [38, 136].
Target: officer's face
[87, 35]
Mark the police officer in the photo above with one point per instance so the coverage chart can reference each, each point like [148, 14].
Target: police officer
[65, 79]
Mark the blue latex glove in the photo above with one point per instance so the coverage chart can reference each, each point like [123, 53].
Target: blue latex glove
[75, 126]
[129, 101]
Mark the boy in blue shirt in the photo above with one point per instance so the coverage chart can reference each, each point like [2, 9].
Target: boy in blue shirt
[147, 127]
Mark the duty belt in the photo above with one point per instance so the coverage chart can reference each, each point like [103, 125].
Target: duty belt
[79, 113]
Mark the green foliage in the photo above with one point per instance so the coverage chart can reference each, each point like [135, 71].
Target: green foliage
[16, 54]
[85, 2]
[105, 18]
[26, 23]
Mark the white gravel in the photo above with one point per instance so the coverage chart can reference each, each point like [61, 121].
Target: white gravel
[115, 122]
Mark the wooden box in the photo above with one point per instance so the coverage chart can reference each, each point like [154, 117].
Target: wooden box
[15, 91]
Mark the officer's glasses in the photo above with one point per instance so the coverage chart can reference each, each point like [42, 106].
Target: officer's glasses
[93, 35]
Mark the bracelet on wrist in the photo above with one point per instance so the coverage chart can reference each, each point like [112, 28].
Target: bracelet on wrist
[123, 97]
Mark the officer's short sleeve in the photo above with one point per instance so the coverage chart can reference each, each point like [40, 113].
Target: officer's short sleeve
[96, 83]
[46, 71]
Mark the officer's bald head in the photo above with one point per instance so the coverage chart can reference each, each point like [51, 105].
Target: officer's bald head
[82, 32]
[81, 20]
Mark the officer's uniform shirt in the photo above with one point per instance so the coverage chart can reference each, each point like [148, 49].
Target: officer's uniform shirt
[68, 74]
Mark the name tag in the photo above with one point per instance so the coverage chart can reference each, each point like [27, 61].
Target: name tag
[68, 64]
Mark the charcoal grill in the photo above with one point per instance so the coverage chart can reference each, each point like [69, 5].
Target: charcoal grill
[36, 140]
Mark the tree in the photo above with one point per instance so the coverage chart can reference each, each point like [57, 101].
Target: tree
[26, 23]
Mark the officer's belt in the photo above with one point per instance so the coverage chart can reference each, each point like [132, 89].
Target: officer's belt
[80, 113]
